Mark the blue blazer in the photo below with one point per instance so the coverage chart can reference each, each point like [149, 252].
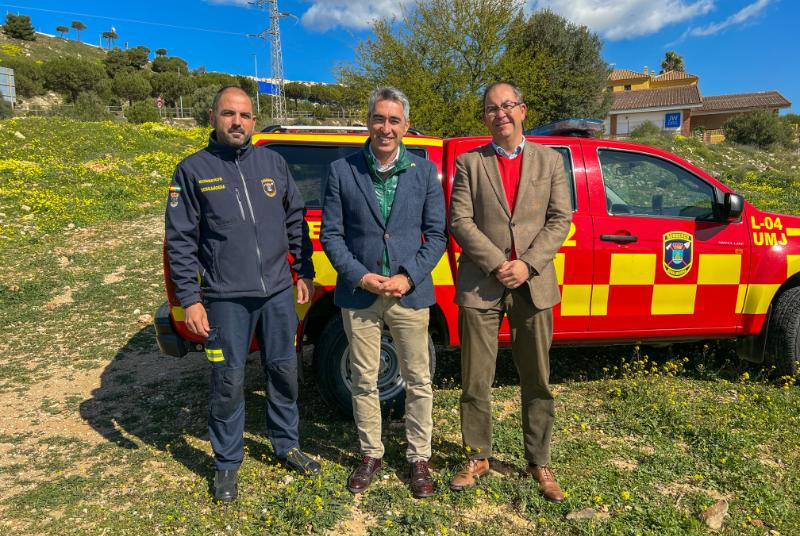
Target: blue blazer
[354, 235]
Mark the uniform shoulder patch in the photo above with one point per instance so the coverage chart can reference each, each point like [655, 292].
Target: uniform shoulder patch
[270, 190]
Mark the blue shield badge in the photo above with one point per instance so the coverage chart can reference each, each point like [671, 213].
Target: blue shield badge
[678, 248]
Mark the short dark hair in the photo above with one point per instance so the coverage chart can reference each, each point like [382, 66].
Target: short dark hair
[516, 89]
[218, 95]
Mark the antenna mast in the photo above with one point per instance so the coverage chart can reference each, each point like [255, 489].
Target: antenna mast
[276, 55]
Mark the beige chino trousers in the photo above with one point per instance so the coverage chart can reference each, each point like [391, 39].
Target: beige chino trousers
[409, 329]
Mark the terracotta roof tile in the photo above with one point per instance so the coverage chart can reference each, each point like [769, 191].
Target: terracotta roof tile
[672, 75]
[743, 101]
[624, 74]
[656, 98]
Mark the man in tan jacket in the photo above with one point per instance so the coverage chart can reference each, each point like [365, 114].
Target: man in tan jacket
[510, 212]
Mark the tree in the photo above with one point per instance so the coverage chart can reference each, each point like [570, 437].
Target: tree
[28, 76]
[201, 103]
[63, 30]
[762, 128]
[295, 91]
[442, 53]
[132, 86]
[78, 26]
[559, 68]
[110, 37]
[133, 59]
[672, 62]
[19, 27]
[142, 112]
[138, 56]
[89, 107]
[171, 86]
[72, 76]
[170, 64]
[161, 52]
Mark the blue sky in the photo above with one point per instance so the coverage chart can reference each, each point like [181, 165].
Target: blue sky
[732, 45]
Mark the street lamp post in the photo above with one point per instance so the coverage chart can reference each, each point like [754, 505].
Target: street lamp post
[258, 88]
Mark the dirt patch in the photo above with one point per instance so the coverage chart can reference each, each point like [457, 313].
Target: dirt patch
[498, 516]
[114, 277]
[680, 489]
[623, 464]
[64, 298]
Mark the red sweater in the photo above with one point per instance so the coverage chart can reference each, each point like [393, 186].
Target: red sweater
[510, 175]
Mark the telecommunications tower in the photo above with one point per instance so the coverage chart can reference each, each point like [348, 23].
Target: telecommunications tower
[276, 55]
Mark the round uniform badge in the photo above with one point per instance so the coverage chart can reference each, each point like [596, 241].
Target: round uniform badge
[269, 187]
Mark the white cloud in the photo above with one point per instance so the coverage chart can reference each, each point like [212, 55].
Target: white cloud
[741, 16]
[622, 19]
[324, 15]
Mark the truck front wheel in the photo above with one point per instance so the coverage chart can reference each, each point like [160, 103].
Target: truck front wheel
[783, 335]
[332, 371]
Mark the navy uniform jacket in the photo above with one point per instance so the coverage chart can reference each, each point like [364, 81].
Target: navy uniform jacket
[232, 216]
[354, 234]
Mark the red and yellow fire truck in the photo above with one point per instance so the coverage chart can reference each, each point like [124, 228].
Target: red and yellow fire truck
[658, 252]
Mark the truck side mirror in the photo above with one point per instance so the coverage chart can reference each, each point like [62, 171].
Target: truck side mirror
[734, 205]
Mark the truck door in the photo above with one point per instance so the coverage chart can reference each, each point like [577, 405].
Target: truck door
[663, 266]
[574, 260]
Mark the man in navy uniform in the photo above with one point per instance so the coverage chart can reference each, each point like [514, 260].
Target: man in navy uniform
[235, 217]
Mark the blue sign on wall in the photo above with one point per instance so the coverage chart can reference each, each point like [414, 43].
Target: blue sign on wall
[268, 88]
[672, 120]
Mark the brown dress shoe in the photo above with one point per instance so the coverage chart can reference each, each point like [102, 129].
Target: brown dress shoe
[361, 477]
[466, 477]
[421, 481]
[547, 482]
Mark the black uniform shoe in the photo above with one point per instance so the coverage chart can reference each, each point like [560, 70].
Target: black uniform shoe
[225, 488]
[300, 462]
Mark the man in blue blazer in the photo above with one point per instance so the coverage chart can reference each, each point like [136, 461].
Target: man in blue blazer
[383, 229]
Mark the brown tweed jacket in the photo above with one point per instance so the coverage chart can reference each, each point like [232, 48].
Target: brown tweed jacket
[481, 222]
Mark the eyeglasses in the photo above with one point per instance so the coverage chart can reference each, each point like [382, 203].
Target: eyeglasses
[491, 111]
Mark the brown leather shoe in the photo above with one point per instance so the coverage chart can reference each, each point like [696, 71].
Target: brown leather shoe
[421, 481]
[547, 482]
[466, 477]
[361, 477]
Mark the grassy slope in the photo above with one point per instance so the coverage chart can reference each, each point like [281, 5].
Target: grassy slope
[99, 433]
[47, 48]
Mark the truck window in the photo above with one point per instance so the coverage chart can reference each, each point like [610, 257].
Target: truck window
[645, 185]
[309, 164]
[567, 158]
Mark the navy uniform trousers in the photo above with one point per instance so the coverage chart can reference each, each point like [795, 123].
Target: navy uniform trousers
[232, 322]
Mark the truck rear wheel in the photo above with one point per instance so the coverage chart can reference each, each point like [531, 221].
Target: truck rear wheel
[332, 371]
[783, 335]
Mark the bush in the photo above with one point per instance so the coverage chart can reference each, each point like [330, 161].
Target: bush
[762, 128]
[648, 129]
[28, 76]
[89, 107]
[6, 111]
[201, 103]
[142, 112]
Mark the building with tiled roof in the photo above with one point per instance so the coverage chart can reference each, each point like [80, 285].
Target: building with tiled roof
[672, 101]
[719, 108]
[668, 107]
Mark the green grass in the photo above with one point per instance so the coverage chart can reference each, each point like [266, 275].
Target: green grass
[47, 48]
[101, 435]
